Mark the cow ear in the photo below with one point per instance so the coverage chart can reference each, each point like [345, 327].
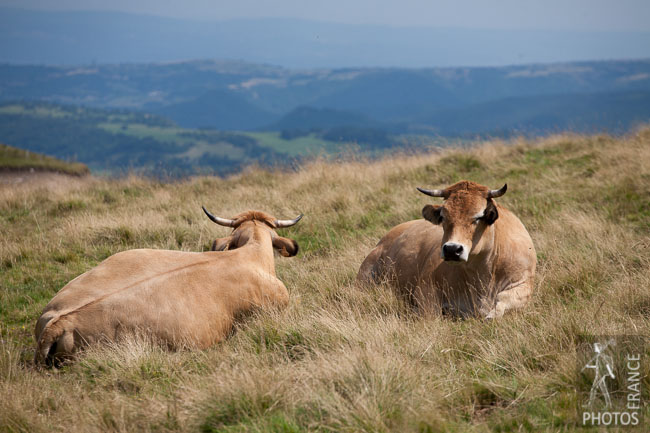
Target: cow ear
[286, 247]
[432, 213]
[491, 213]
[221, 244]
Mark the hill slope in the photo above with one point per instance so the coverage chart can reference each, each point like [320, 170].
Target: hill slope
[340, 357]
[14, 159]
[591, 113]
[217, 109]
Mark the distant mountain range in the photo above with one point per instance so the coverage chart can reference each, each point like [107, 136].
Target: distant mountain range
[83, 37]
[101, 88]
[608, 96]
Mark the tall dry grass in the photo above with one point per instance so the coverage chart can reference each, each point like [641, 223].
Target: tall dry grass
[339, 358]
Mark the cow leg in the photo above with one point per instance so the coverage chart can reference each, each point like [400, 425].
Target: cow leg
[514, 297]
[280, 295]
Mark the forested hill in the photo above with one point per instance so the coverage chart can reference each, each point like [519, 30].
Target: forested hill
[119, 141]
[227, 95]
[221, 116]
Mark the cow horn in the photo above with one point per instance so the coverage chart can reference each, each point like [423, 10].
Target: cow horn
[432, 192]
[494, 193]
[221, 221]
[288, 223]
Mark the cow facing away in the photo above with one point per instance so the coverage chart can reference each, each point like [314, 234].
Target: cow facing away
[175, 297]
[468, 257]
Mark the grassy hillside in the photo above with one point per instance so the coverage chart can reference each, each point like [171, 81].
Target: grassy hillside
[339, 358]
[14, 159]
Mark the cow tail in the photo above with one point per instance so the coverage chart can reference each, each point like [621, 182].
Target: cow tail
[54, 340]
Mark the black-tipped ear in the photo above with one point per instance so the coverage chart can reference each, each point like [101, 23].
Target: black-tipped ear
[432, 213]
[285, 246]
[491, 213]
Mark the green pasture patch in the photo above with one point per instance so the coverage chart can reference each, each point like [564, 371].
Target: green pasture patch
[309, 145]
[628, 201]
[461, 163]
[65, 207]
[235, 409]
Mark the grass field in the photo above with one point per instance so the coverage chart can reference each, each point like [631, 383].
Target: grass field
[340, 358]
[308, 145]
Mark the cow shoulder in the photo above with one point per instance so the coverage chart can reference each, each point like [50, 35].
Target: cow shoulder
[517, 256]
[414, 237]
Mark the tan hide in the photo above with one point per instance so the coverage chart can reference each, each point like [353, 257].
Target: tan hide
[492, 271]
[179, 298]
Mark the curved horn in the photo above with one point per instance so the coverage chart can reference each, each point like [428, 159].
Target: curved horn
[288, 223]
[221, 221]
[432, 192]
[494, 193]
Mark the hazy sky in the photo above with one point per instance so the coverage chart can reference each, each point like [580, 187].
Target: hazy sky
[606, 15]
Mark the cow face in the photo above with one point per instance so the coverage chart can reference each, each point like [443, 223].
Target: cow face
[465, 217]
[251, 225]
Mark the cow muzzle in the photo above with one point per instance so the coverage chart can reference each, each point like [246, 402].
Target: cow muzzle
[454, 252]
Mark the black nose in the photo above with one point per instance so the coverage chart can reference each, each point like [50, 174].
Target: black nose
[452, 251]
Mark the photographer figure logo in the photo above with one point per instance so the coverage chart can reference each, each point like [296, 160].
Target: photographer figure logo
[603, 366]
